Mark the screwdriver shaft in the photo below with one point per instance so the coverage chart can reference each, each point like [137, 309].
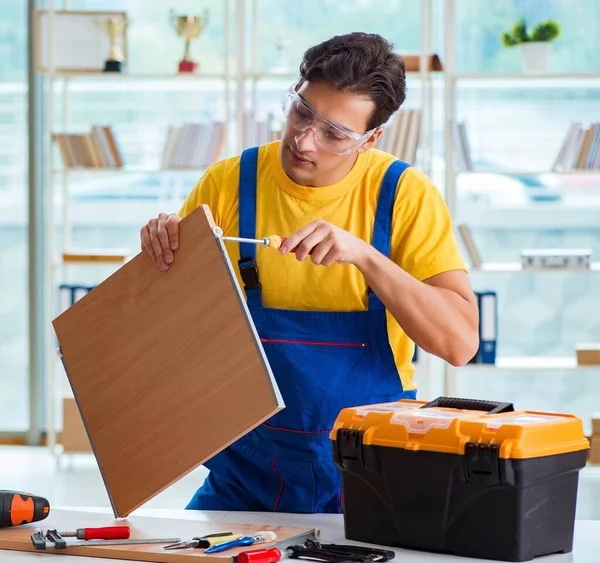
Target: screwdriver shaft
[264, 241]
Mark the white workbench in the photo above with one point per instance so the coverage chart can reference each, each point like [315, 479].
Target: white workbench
[586, 547]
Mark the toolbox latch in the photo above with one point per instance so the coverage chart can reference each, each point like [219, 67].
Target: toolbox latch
[482, 463]
[349, 449]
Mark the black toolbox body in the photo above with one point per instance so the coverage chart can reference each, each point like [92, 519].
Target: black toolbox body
[477, 503]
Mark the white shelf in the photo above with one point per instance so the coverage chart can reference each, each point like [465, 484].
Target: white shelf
[125, 170]
[517, 268]
[527, 77]
[531, 172]
[537, 363]
[292, 75]
[141, 75]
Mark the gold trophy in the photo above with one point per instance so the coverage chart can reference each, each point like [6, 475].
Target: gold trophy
[189, 27]
[115, 28]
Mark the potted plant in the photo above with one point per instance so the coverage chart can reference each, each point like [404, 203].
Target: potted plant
[534, 43]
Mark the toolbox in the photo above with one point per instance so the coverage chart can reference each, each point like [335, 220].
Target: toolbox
[460, 476]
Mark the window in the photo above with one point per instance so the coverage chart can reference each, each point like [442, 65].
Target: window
[14, 406]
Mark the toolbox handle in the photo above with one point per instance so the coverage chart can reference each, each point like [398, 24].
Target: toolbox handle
[492, 407]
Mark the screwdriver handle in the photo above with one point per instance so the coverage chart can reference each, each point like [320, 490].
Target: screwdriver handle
[271, 555]
[107, 533]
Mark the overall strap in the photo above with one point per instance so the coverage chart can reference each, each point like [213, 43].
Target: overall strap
[382, 229]
[247, 226]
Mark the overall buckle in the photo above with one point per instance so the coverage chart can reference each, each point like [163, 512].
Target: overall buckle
[249, 272]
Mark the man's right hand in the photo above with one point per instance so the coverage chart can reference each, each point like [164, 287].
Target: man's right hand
[160, 237]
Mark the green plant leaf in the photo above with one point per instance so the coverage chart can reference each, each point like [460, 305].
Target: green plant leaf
[520, 31]
[546, 31]
[518, 34]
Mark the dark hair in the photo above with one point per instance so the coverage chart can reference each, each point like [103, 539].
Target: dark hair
[361, 63]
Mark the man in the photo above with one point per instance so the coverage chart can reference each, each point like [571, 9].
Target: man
[370, 267]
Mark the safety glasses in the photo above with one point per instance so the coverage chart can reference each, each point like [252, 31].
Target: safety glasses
[328, 135]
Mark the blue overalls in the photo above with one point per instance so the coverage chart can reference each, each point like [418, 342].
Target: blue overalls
[323, 362]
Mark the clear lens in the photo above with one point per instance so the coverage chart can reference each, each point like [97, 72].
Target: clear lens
[300, 116]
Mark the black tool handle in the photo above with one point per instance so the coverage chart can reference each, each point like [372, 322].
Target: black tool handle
[342, 549]
[37, 539]
[323, 556]
[17, 508]
[492, 407]
[57, 539]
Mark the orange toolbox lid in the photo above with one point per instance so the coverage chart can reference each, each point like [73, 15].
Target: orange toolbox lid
[520, 434]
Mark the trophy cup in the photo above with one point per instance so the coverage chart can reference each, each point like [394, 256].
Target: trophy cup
[115, 28]
[188, 28]
[281, 44]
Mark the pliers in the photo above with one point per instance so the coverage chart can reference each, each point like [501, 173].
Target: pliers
[204, 541]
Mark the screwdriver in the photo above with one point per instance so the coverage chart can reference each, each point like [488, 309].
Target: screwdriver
[258, 537]
[273, 241]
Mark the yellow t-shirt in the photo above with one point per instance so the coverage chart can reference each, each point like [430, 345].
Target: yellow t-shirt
[423, 242]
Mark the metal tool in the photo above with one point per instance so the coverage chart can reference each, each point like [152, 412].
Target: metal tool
[205, 541]
[53, 540]
[218, 232]
[274, 241]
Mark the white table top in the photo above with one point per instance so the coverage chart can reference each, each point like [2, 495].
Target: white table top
[586, 548]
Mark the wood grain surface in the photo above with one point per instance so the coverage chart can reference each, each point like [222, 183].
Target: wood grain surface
[19, 538]
[166, 367]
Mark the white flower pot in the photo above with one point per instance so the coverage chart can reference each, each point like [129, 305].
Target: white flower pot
[535, 55]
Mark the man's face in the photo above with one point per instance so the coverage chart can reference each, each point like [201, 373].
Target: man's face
[306, 162]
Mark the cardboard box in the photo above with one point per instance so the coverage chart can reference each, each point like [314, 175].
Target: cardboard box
[595, 440]
[73, 436]
[594, 458]
[588, 354]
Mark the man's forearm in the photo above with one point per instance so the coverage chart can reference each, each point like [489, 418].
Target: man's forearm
[438, 320]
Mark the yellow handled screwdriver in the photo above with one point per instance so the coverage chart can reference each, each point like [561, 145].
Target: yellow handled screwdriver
[273, 241]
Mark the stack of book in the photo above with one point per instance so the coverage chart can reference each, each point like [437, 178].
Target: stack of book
[462, 150]
[402, 136]
[96, 149]
[467, 245]
[193, 145]
[259, 132]
[580, 149]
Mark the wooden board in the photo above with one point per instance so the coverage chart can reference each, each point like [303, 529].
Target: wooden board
[146, 527]
[166, 367]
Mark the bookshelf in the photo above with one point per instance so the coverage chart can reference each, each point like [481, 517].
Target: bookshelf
[452, 79]
[63, 167]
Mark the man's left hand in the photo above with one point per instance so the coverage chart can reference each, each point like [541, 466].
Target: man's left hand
[326, 245]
